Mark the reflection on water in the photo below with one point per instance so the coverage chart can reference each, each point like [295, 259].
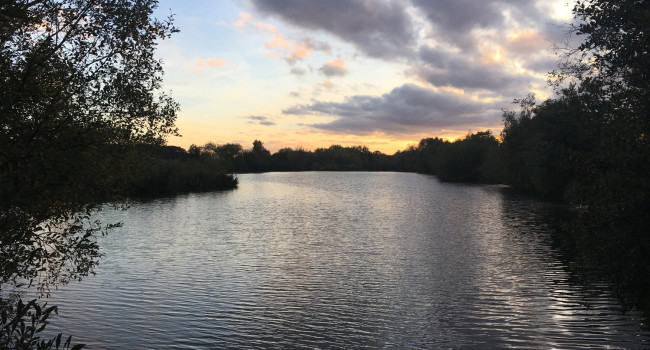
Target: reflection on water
[339, 260]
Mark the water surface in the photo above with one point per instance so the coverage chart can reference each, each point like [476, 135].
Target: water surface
[339, 260]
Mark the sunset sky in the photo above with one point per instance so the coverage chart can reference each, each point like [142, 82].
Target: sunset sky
[384, 74]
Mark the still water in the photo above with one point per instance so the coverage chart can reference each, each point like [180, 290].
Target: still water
[339, 261]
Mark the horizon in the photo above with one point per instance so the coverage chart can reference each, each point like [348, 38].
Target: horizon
[313, 149]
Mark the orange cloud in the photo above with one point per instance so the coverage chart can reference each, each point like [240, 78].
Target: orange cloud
[291, 50]
[201, 64]
[278, 42]
[338, 63]
[301, 51]
[243, 20]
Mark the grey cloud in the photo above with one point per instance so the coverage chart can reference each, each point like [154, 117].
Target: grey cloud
[453, 20]
[298, 71]
[261, 120]
[443, 68]
[560, 38]
[291, 59]
[317, 45]
[380, 29]
[535, 49]
[332, 69]
[385, 29]
[542, 64]
[528, 44]
[406, 109]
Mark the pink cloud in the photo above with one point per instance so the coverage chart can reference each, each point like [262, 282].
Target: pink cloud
[278, 42]
[243, 20]
[291, 51]
[200, 65]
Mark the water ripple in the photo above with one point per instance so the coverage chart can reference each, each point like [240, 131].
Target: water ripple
[339, 261]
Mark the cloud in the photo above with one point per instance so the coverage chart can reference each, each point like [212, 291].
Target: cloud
[388, 29]
[455, 21]
[543, 64]
[336, 67]
[406, 109]
[304, 47]
[200, 65]
[298, 71]
[279, 42]
[290, 50]
[467, 46]
[380, 29]
[294, 51]
[316, 45]
[261, 120]
[243, 20]
[327, 84]
[492, 49]
[441, 67]
[527, 42]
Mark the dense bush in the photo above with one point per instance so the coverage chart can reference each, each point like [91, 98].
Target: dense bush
[170, 170]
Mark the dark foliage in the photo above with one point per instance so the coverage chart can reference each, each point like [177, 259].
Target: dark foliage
[80, 90]
[339, 158]
[168, 170]
[590, 146]
[614, 178]
[22, 324]
[475, 158]
[255, 160]
[542, 145]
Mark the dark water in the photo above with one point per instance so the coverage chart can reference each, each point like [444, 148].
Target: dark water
[339, 260]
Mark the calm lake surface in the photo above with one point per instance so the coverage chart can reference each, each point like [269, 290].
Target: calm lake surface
[339, 260]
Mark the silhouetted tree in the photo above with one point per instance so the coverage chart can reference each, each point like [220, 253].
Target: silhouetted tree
[227, 153]
[166, 173]
[287, 159]
[194, 151]
[79, 88]
[257, 159]
[612, 74]
[429, 149]
[464, 160]
[590, 145]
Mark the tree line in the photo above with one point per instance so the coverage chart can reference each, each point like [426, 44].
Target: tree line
[474, 158]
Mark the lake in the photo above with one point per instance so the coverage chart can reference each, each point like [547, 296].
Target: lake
[340, 260]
